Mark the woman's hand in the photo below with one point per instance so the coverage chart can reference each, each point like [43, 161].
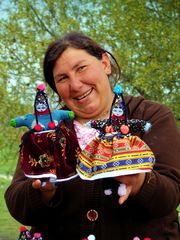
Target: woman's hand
[133, 184]
[47, 189]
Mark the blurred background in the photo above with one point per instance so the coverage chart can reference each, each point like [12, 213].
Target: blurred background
[142, 35]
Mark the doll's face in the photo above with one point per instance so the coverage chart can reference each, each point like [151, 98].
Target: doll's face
[117, 112]
[41, 107]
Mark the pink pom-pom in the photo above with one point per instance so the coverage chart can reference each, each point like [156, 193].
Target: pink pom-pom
[37, 235]
[51, 125]
[41, 87]
[38, 127]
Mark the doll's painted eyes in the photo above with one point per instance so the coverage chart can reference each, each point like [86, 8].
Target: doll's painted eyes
[117, 111]
[40, 107]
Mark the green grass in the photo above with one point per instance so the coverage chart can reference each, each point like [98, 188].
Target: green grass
[179, 212]
[9, 227]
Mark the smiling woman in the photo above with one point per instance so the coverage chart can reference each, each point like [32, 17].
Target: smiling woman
[124, 152]
[81, 80]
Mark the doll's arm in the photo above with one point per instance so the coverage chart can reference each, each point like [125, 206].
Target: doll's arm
[58, 115]
[21, 121]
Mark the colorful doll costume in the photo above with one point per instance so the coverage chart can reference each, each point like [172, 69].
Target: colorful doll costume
[40, 150]
[43, 155]
[116, 150]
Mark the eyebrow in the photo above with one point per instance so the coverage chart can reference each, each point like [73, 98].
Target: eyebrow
[75, 66]
[78, 63]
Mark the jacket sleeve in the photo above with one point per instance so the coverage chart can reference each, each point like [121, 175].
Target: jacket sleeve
[160, 193]
[24, 202]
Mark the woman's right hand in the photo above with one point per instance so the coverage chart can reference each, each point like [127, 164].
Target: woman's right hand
[47, 189]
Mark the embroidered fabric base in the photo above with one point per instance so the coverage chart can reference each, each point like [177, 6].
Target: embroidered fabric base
[43, 155]
[101, 159]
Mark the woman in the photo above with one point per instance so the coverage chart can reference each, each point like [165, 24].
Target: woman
[79, 70]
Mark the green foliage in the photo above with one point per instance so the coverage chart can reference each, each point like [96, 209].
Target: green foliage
[143, 36]
[9, 226]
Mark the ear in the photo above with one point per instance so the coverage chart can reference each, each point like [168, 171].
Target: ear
[106, 63]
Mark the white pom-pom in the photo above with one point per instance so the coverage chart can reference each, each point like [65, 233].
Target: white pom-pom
[108, 192]
[122, 189]
[147, 127]
[43, 184]
[91, 237]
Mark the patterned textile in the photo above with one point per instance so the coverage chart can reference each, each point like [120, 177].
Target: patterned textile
[36, 159]
[43, 155]
[109, 148]
[124, 156]
[84, 133]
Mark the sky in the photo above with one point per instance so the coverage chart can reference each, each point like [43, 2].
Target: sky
[4, 4]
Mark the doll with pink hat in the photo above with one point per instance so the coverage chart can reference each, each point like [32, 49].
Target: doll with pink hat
[42, 119]
[40, 145]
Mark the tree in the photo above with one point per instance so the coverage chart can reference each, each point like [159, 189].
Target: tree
[142, 35]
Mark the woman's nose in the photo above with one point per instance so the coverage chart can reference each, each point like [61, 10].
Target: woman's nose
[75, 83]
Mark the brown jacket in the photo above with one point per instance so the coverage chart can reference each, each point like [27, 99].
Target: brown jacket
[151, 213]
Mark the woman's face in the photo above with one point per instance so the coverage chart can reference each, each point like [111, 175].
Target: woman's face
[82, 82]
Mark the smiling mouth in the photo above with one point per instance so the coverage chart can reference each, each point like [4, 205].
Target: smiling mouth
[85, 94]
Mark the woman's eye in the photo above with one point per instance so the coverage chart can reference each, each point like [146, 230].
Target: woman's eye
[81, 68]
[62, 78]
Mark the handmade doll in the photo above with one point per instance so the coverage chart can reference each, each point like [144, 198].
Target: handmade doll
[24, 234]
[116, 150]
[40, 149]
[42, 119]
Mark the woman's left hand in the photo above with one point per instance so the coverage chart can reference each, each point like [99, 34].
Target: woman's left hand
[133, 184]
[47, 189]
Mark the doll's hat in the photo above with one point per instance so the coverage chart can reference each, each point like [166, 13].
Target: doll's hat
[41, 105]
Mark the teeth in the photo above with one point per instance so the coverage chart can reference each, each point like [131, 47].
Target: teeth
[84, 95]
